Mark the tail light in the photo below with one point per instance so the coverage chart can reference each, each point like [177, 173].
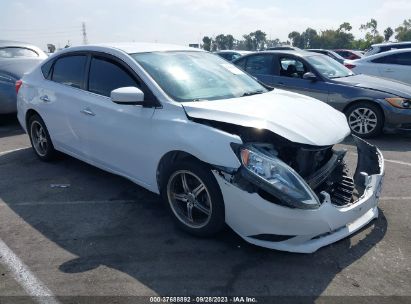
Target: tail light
[18, 85]
[349, 66]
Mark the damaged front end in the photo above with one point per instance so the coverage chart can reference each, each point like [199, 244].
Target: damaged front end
[297, 197]
[300, 176]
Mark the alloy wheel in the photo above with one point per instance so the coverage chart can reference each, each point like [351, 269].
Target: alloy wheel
[189, 199]
[363, 120]
[39, 138]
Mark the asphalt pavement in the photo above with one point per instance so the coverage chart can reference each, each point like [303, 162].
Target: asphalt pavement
[79, 231]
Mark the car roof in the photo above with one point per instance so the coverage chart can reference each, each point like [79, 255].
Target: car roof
[391, 43]
[300, 53]
[11, 43]
[233, 51]
[386, 53]
[19, 44]
[135, 47]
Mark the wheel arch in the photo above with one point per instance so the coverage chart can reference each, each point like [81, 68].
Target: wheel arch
[170, 157]
[369, 101]
[30, 113]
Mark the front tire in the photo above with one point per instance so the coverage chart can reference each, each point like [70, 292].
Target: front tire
[40, 138]
[365, 119]
[194, 198]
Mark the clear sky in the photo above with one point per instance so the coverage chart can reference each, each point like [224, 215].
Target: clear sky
[184, 21]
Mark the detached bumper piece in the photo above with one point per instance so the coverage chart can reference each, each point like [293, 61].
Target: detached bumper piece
[349, 207]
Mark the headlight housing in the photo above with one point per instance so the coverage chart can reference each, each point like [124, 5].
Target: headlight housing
[277, 178]
[398, 102]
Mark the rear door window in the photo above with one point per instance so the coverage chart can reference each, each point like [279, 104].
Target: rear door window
[106, 75]
[69, 70]
[259, 64]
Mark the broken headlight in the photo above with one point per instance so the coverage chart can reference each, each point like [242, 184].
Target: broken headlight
[277, 178]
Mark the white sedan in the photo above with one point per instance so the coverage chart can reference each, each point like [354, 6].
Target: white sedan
[394, 64]
[218, 146]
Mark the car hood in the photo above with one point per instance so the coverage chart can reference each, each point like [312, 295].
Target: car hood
[296, 117]
[378, 84]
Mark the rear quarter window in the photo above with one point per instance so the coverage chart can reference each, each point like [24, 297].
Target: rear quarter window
[46, 69]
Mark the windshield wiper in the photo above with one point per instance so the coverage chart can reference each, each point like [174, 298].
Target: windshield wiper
[252, 93]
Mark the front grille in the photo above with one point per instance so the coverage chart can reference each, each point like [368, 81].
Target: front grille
[342, 192]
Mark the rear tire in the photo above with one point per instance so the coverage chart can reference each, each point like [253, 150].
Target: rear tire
[365, 119]
[193, 197]
[40, 138]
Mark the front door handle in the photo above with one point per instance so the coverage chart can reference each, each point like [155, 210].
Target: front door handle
[87, 111]
[45, 98]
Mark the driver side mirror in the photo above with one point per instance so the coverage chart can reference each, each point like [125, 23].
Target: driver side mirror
[310, 76]
[127, 96]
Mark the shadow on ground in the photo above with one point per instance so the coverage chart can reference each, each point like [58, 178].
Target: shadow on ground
[388, 142]
[138, 237]
[9, 126]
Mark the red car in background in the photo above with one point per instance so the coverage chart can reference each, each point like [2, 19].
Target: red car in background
[349, 54]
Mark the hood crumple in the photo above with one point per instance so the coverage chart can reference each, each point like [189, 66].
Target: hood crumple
[296, 117]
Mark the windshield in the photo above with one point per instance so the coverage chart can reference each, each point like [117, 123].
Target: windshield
[328, 67]
[194, 76]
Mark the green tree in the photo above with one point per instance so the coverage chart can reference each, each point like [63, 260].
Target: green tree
[220, 41]
[207, 41]
[295, 38]
[260, 39]
[388, 32]
[403, 32]
[371, 26]
[372, 35]
[229, 41]
[248, 43]
[309, 38]
[345, 27]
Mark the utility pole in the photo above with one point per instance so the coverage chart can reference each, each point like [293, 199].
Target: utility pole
[84, 33]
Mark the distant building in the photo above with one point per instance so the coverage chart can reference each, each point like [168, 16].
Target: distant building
[194, 45]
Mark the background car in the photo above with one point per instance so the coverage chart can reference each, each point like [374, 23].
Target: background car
[328, 53]
[349, 54]
[283, 48]
[230, 55]
[384, 47]
[371, 104]
[394, 64]
[16, 58]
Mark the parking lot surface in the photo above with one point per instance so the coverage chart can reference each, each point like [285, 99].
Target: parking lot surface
[83, 232]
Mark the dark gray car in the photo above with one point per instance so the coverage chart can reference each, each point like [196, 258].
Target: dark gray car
[371, 104]
[16, 58]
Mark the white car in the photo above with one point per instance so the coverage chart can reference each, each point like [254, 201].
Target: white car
[395, 64]
[217, 145]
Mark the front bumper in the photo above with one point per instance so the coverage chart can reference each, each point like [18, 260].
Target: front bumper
[266, 224]
[396, 120]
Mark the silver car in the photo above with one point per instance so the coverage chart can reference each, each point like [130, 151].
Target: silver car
[16, 58]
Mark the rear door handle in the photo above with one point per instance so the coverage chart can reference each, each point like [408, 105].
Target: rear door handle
[87, 111]
[45, 98]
